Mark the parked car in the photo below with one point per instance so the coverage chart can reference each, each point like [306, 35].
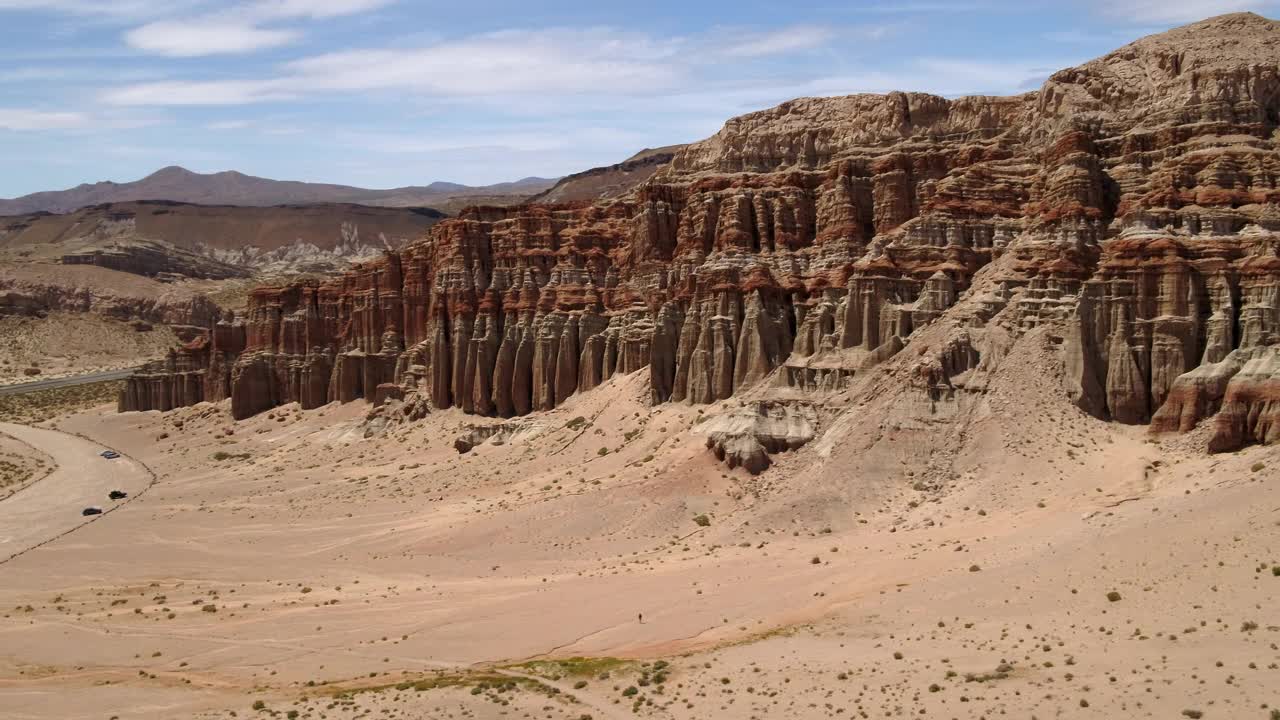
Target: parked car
[91, 511]
[109, 454]
[117, 495]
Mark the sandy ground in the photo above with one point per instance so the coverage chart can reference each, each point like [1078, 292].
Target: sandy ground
[292, 561]
[20, 465]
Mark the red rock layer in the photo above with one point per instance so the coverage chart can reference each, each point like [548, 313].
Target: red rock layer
[1136, 194]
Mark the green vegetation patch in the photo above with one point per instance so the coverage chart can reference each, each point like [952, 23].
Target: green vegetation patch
[480, 682]
[572, 667]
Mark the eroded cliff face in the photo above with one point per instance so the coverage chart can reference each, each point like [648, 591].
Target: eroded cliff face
[1133, 201]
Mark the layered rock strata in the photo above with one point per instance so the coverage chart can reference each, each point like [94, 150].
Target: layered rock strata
[749, 435]
[1133, 200]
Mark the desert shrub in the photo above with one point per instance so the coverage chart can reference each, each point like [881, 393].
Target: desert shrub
[33, 407]
[702, 521]
[1113, 596]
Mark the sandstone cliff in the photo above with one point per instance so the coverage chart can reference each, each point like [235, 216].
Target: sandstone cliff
[1131, 203]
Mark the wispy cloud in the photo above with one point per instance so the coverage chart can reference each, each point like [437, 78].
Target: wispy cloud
[502, 63]
[179, 93]
[800, 37]
[314, 9]
[538, 139]
[526, 63]
[239, 28]
[98, 8]
[26, 119]
[187, 39]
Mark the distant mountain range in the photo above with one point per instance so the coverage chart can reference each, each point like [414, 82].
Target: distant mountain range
[233, 188]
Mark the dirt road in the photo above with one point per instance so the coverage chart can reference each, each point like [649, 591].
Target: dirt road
[29, 387]
[52, 507]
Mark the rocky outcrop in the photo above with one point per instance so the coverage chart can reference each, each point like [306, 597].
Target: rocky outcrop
[1131, 201]
[746, 436]
[35, 296]
[496, 434]
[1241, 393]
[1251, 406]
[154, 259]
[393, 408]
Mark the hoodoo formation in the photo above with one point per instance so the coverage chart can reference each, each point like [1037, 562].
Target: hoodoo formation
[1132, 202]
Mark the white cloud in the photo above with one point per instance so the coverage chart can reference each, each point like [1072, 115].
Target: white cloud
[258, 10]
[104, 8]
[528, 141]
[242, 28]
[523, 62]
[29, 120]
[1179, 11]
[179, 93]
[314, 9]
[497, 64]
[194, 39]
[801, 37]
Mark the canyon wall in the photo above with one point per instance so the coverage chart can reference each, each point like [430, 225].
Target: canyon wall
[1133, 200]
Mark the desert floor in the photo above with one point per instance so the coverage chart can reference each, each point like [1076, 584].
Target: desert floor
[291, 563]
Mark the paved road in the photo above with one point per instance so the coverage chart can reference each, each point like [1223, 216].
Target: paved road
[104, 376]
[50, 508]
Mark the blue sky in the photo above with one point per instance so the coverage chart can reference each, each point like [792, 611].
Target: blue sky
[384, 93]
